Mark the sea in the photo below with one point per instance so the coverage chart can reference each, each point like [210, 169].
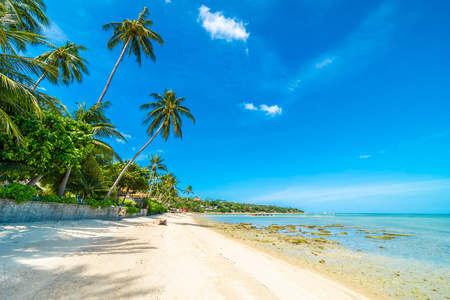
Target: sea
[426, 247]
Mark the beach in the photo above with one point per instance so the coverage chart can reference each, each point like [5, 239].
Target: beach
[139, 259]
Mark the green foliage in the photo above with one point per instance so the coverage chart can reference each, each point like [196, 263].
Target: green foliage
[133, 210]
[51, 198]
[17, 191]
[51, 144]
[154, 207]
[222, 206]
[94, 203]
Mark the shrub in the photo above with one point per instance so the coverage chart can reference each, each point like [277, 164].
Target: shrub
[155, 207]
[133, 210]
[71, 200]
[96, 203]
[51, 198]
[17, 191]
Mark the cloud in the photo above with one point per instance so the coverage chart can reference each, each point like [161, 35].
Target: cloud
[271, 110]
[141, 157]
[160, 151]
[250, 106]
[120, 141]
[360, 48]
[364, 156]
[324, 63]
[306, 194]
[168, 1]
[220, 27]
[55, 34]
[132, 148]
[127, 136]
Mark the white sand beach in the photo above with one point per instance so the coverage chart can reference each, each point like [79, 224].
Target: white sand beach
[138, 259]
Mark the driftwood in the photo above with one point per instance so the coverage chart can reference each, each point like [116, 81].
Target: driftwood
[162, 222]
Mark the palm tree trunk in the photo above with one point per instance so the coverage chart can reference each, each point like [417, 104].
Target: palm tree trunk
[34, 181]
[131, 161]
[118, 195]
[39, 81]
[114, 70]
[62, 188]
[151, 188]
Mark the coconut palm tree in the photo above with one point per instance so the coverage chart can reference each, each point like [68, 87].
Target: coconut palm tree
[135, 36]
[155, 164]
[188, 190]
[67, 61]
[101, 129]
[29, 15]
[165, 116]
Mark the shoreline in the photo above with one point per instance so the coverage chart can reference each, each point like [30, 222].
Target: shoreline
[380, 276]
[138, 259]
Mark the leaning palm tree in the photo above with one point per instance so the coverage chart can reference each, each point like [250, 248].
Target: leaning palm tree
[165, 116]
[188, 190]
[67, 60]
[101, 129]
[155, 165]
[136, 35]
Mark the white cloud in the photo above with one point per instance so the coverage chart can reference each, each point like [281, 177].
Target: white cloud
[168, 1]
[141, 157]
[364, 156]
[55, 34]
[120, 141]
[324, 63]
[271, 110]
[160, 151]
[220, 27]
[132, 148]
[250, 106]
[127, 136]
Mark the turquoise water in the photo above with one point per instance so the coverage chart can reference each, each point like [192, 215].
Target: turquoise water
[428, 245]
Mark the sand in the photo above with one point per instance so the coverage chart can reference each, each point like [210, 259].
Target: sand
[138, 259]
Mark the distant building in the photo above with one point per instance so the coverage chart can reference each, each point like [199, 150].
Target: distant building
[197, 199]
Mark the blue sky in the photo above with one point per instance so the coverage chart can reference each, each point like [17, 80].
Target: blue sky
[337, 106]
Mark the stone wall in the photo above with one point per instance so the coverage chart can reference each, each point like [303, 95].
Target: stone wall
[11, 212]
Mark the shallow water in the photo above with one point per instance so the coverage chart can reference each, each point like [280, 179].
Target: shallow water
[427, 249]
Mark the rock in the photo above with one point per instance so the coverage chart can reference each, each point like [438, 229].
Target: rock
[322, 261]
[380, 237]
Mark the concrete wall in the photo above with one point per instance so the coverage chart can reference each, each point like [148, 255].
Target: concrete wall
[11, 212]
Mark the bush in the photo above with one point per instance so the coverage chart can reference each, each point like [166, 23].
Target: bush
[96, 203]
[51, 198]
[71, 200]
[133, 210]
[17, 191]
[155, 207]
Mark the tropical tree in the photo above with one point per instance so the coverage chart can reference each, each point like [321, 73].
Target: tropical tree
[136, 36]
[28, 15]
[101, 128]
[67, 60]
[165, 116]
[188, 190]
[155, 165]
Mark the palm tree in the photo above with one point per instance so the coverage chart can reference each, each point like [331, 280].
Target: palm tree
[101, 128]
[29, 15]
[135, 35]
[155, 164]
[166, 115]
[67, 61]
[188, 190]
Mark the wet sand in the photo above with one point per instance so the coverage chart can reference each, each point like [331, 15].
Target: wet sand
[381, 276]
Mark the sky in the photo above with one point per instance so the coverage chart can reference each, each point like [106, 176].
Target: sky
[330, 105]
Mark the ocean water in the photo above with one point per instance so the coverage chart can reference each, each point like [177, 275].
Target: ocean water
[428, 245]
